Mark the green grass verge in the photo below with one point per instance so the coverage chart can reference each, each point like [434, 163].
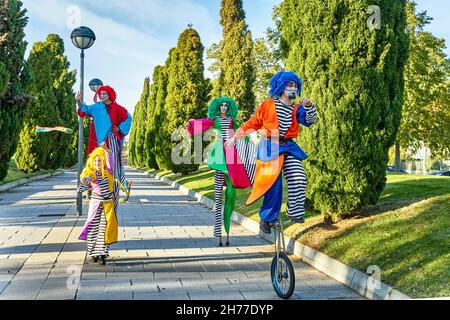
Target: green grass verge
[408, 237]
[15, 174]
[407, 234]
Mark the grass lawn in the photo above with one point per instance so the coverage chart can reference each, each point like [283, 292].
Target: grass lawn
[15, 174]
[407, 234]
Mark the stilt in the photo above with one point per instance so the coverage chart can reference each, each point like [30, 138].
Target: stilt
[228, 240]
[220, 242]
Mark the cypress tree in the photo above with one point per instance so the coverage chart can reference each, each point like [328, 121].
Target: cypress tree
[37, 150]
[62, 152]
[162, 146]
[141, 125]
[354, 73]
[237, 71]
[186, 93]
[14, 78]
[152, 126]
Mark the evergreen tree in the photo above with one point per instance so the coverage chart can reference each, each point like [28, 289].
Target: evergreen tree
[37, 150]
[354, 73]
[14, 78]
[141, 125]
[63, 152]
[237, 71]
[152, 126]
[162, 146]
[186, 93]
[213, 53]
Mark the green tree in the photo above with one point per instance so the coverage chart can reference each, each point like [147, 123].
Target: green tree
[237, 72]
[36, 151]
[14, 78]
[266, 66]
[233, 59]
[152, 126]
[162, 146]
[63, 151]
[213, 53]
[186, 93]
[353, 70]
[268, 57]
[141, 125]
[426, 108]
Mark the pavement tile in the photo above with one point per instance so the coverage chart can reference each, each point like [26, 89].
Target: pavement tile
[166, 250]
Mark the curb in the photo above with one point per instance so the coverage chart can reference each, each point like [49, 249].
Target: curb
[23, 181]
[360, 282]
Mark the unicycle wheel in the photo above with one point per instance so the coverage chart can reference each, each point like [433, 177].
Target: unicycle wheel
[282, 276]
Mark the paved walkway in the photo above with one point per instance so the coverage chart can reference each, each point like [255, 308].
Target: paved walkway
[165, 250]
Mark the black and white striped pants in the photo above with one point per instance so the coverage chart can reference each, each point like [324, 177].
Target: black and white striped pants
[296, 180]
[295, 176]
[219, 181]
[96, 235]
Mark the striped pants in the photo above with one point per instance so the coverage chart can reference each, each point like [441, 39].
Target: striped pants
[223, 213]
[219, 181]
[96, 235]
[118, 169]
[295, 176]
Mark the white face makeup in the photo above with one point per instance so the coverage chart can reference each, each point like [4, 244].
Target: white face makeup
[291, 90]
[104, 96]
[98, 163]
[223, 108]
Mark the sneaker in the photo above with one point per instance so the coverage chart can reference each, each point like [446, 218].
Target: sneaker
[94, 259]
[298, 219]
[265, 226]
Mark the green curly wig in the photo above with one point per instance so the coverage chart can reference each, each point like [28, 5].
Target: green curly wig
[214, 108]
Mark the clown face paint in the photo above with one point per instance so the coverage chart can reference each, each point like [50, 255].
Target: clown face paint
[104, 96]
[223, 108]
[291, 90]
[98, 163]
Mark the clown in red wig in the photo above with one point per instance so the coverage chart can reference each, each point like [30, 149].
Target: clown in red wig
[112, 123]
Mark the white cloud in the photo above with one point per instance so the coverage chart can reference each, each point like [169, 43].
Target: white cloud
[124, 52]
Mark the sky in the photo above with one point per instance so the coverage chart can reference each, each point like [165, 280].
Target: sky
[134, 36]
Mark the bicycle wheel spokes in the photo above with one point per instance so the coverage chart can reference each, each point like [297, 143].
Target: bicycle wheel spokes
[283, 278]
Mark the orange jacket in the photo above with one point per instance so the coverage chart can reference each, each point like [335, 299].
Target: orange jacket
[266, 119]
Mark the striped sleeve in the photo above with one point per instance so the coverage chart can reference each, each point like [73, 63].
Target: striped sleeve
[83, 187]
[307, 116]
[311, 114]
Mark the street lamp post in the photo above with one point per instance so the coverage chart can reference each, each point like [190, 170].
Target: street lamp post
[94, 84]
[82, 38]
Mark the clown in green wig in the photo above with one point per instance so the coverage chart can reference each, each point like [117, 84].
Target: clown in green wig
[232, 167]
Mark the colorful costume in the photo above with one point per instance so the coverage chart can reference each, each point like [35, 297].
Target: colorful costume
[101, 228]
[278, 151]
[230, 170]
[104, 118]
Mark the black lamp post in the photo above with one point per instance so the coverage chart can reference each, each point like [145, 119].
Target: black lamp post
[94, 84]
[82, 38]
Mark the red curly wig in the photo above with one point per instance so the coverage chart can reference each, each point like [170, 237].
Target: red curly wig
[111, 93]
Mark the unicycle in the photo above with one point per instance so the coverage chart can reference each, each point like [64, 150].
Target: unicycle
[281, 272]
